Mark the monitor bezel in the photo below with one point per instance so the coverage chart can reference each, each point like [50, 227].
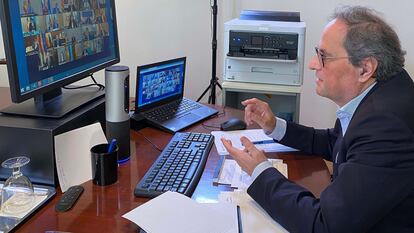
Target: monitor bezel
[16, 95]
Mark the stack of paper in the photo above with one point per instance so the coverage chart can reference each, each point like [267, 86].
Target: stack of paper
[257, 136]
[231, 173]
[174, 212]
[253, 217]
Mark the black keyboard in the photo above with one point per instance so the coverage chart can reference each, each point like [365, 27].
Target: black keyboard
[179, 166]
[173, 109]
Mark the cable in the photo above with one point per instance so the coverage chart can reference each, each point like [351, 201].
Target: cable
[79, 87]
[95, 83]
[209, 127]
[222, 113]
[153, 145]
[101, 87]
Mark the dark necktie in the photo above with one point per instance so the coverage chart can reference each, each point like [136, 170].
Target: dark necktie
[337, 149]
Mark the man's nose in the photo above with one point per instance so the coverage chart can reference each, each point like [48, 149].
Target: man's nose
[314, 63]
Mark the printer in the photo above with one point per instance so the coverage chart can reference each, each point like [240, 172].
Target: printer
[261, 51]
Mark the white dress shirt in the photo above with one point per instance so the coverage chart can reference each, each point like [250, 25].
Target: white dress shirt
[344, 114]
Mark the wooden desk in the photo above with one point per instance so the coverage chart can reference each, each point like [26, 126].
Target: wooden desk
[100, 208]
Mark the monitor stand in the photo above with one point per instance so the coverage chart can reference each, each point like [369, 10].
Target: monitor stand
[65, 102]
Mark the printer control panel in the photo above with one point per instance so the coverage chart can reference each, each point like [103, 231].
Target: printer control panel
[281, 46]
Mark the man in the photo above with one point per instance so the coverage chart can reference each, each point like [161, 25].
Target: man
[359, 66]
[56, 8]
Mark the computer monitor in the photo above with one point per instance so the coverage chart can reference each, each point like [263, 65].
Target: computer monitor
[52, 43]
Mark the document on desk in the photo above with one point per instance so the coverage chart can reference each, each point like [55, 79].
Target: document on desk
[257, 136]
[173, 212]
[73, 156]
[253, 217]
[230, 173]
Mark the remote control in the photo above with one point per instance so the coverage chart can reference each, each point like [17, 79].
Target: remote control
[69, 198]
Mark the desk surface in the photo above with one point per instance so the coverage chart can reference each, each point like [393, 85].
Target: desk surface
[100, 207]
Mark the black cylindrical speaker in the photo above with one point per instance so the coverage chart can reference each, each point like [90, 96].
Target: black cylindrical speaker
[117, 109]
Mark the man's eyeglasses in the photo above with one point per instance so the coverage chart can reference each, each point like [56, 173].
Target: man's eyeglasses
[322, 57]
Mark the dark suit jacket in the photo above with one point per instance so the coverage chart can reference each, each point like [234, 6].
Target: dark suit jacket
[374, 187]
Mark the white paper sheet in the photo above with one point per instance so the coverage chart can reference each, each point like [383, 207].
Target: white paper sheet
[176, 213]
[254, 218]
[73, 156]
[254, 135]
[232, 174]
[230, 211]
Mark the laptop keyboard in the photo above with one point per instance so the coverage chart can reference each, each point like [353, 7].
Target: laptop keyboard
[178, 167]
[171, 110]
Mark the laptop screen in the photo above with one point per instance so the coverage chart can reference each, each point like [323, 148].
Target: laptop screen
[160, 82]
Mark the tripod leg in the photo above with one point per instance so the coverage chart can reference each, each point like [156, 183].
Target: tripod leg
[202, 95]
[219, 85]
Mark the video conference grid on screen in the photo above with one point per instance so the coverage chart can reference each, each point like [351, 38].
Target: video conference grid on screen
[161, 83]
[62, 31]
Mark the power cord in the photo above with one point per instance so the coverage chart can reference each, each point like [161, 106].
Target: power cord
[95, 83]
[101, 87]
[210, 127]
[152, 144]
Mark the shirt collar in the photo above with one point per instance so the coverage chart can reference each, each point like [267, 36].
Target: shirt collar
[346, 112]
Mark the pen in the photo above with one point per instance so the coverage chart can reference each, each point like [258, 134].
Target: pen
[111, 145]
[264, 142]
[239, 221]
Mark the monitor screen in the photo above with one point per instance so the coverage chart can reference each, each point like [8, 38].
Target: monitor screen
[51, 43]
[160, 81]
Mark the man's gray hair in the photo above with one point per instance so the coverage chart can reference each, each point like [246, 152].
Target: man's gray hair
[369, 35]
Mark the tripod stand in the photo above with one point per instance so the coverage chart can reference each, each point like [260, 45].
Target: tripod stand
[214, 80]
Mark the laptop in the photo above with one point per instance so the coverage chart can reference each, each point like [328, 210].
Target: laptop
[160, 97]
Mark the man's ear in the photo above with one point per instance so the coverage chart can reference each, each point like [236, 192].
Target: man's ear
[368, 67]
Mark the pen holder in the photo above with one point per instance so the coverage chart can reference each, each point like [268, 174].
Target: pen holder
[104, 164]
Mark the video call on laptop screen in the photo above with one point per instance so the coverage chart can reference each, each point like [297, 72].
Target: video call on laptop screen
[160, 81]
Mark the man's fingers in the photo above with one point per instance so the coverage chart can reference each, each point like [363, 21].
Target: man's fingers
[249, 101]
[248, 145]
[253, 112]
[226, 143]
[229, 147]
[257, 117]
[248, 111]
[248, 158]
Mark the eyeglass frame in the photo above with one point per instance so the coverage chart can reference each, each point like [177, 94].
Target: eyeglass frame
[322, 57]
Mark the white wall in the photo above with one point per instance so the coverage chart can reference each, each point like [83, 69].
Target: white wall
[151, 31]
[317, 111]
[154, 30]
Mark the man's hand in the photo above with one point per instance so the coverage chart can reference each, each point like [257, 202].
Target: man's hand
[248, 158]
[259, 112]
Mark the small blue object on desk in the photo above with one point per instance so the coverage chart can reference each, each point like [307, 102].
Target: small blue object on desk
[112, 145]
[264, 142]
